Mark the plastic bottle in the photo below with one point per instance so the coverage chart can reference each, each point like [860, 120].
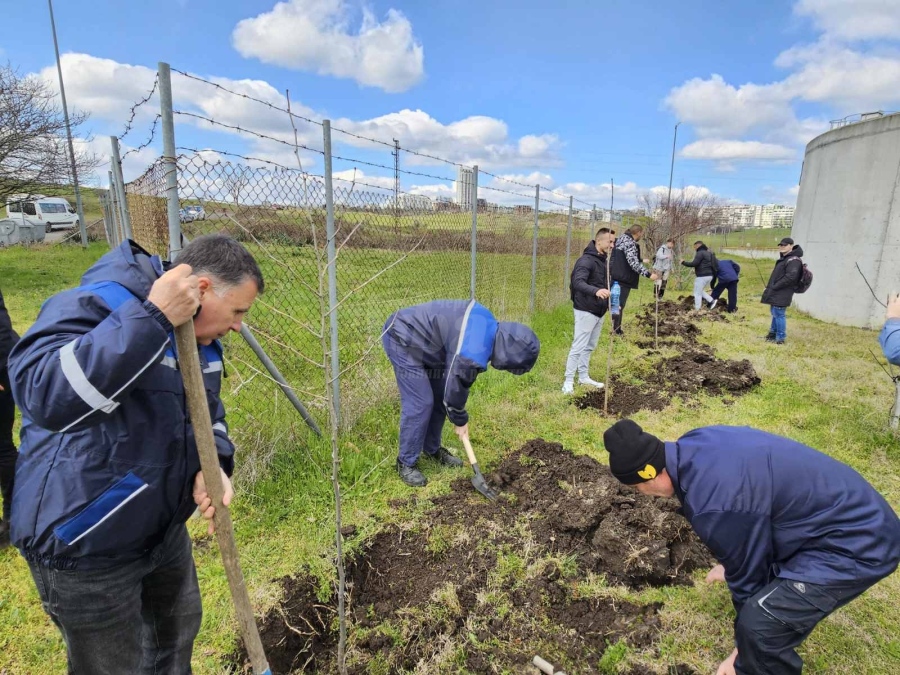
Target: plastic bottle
[614, 296]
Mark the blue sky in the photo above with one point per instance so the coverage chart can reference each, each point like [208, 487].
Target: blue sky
[567, 94]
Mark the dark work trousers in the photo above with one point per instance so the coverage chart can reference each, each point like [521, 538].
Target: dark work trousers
[8, 452]
[731, 287]
[623, 298]
[422, 411]
[776, 620]
[137, 617]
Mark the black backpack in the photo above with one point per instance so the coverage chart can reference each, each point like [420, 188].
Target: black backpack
[806, 276]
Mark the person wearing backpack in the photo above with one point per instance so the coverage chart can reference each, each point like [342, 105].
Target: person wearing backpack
[727, 280]
[783, 283]
[705, 267]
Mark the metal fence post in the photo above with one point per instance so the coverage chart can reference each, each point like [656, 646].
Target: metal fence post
[114, 207]
[170, 163]
[120, 187]
[474, 230]
[534, 247]
[568, 247]
[332, 272]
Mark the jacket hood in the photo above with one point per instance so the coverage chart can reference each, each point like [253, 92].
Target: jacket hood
[516, 348]
[591, 249]
[703, 247]
[128, 265]
[796, 252]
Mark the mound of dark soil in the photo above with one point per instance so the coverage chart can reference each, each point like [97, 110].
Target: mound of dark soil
[415, 596]
[624, 399]
[695, 370]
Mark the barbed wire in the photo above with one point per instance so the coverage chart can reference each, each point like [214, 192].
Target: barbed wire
[148, 142]
[245, 131]
[508, 192]
[134, 108]
[439, 159]
[245, 158]
[248, 97]
[505, 180]
[272, 106]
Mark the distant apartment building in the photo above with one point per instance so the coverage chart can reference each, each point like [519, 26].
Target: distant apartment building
[742, 216]
[407, 202]
[465, 187]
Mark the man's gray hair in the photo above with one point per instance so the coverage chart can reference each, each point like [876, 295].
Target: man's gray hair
[220, 256]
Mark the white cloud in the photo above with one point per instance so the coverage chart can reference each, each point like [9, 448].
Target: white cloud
[853, 19]
[433, 191]
[474, 140]
[351, 176]
[729, 151]
[760, 122]
[107, 89]
[317, 36]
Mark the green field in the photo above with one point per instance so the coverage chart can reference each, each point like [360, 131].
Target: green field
[823, 389]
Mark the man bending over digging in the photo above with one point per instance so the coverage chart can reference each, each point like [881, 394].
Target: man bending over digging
[437, 350]
[797, 533]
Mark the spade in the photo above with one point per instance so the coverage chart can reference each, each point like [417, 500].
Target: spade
[478, 480]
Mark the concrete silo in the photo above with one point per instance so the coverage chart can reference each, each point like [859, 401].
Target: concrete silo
[848, 212]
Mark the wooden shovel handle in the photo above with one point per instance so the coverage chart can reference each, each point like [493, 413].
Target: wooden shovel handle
[198, 409]
[469, 451]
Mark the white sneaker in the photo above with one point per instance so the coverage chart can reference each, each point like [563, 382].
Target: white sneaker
[568, 387]
[591, 383]
[712, 305]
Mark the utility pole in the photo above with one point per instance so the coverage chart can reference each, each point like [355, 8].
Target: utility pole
[62, 92]
[396, 154]
[612, 197]
[671, 172]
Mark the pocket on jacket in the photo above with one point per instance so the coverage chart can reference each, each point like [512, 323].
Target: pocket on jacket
[101, 509]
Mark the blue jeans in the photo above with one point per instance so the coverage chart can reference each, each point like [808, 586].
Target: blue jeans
[137, 617]
[779, 322]
[422, 411]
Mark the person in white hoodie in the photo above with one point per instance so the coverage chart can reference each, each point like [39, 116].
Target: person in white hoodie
[662, 265]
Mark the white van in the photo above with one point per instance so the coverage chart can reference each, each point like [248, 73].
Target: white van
[51, 212]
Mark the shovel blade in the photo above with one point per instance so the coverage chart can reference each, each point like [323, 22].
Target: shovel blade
[481, 485]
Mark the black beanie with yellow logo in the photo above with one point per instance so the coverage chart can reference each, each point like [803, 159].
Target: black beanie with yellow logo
[634, 455]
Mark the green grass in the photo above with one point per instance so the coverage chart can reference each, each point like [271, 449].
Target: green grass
[756, 237]
[822, 388]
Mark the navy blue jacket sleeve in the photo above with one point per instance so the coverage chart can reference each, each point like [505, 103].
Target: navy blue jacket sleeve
[742, 543]
[224, 446]
[460, 377]
[890, 341]
[79, 358]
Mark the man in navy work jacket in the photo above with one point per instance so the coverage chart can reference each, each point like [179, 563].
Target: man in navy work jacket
[797, 533]
[437, 350]
[108, 471]
[726, 279]
[890, 332]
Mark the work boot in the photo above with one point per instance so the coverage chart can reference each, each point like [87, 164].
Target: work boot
[4, 534]
[568, 387]
[444, 457]
[411, 475]
[770, 337]
[779, 342]
[590, 383]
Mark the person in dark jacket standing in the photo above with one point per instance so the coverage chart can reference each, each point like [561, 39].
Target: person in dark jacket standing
[437, 349]
[627, 269]
[780, 290]
[704, 264]
[890, 332]
[797, 533]
[8, 453]
[109, 471]
[590, 298]
[726, 279]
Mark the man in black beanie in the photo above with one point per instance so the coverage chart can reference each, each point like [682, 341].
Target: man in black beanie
[797, 533]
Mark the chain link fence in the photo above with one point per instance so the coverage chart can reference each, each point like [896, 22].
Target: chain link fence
[396, 242]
